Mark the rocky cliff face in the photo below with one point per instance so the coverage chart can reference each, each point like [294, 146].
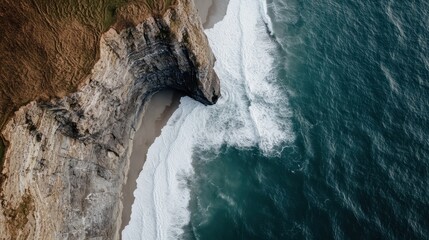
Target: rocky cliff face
[67, 158]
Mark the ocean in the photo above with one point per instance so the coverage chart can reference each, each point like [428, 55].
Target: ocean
[321, 131]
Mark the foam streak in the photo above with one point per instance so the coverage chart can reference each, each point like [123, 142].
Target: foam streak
[252, 112]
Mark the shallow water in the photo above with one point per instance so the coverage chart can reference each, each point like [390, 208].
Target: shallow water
[321, 132]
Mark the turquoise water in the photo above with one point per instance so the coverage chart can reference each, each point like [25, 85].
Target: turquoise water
[356, 78]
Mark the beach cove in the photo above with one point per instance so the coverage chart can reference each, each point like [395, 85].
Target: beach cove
[157, 112]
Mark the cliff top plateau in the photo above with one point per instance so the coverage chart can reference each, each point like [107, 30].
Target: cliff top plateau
[75, 77]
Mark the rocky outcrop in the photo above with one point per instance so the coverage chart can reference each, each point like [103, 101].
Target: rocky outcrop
[67, 158]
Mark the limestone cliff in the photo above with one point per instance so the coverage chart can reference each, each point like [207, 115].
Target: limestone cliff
[67, 158]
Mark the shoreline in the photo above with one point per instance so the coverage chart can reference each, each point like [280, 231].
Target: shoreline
[155, 115]
[211, 11]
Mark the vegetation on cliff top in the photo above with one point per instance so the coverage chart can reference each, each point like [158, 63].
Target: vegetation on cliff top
[49, 47]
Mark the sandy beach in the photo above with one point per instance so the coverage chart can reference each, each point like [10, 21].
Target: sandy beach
[159, 110]
[211, 11]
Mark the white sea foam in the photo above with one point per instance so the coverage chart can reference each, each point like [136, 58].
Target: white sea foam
[253, 111]
[265, 16]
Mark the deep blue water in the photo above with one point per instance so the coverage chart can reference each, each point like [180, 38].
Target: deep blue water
[356, 74]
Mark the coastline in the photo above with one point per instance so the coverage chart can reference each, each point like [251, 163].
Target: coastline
[211, 11]
[68, 157]
[158, 110]
[156, 114]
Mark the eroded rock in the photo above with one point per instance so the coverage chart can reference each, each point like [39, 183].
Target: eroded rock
[67, 158]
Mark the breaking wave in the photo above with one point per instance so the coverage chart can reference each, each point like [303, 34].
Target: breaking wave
[253, 111]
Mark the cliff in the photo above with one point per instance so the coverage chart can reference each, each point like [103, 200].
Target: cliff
[67, 157]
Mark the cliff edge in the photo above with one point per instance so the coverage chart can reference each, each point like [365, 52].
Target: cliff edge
[67, 156]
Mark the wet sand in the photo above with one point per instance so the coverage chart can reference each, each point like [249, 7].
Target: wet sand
[159, 110]
[211, 11]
